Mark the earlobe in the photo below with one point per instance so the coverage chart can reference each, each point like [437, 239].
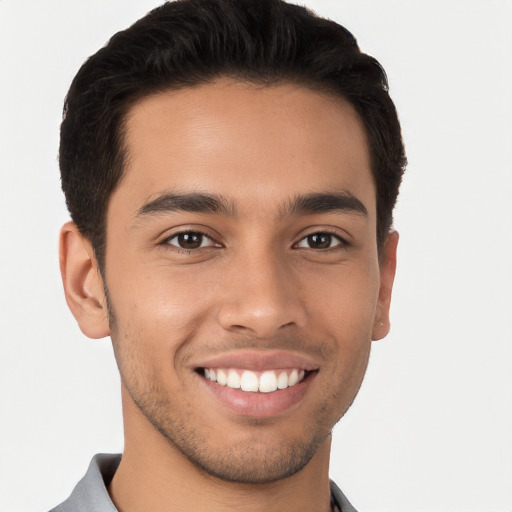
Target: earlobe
[83, 285]
[381, 324]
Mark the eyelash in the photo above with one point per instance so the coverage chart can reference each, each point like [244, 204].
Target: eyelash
[342, 242]
[166, 241]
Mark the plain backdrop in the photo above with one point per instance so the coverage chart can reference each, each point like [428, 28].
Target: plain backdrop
[432, 427]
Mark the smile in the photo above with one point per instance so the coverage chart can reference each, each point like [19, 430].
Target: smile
[253, 382]
[256, 383]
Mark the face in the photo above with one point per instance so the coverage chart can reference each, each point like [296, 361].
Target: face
[243, 274]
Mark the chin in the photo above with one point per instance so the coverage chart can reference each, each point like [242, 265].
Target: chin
[250, 462]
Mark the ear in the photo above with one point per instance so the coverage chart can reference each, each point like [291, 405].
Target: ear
[83, 285]
[387, 275]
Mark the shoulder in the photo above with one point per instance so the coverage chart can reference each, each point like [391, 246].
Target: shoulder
[340, 499]
[90, 494]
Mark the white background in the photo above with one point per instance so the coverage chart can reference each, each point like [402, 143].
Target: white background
[432, 427]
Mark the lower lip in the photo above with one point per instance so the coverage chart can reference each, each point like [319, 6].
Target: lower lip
[259, 405]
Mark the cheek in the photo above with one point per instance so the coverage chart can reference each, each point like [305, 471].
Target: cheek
[343, 310]
[344, 299]
[161, 314]
[157, 299]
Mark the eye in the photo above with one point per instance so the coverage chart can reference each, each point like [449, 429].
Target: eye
[190, 240]
[320, 241]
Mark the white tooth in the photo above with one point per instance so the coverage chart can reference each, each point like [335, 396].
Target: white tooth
[268, 382]
[302, 374]
[282, 380]
[207, 373]
[233, 379]
[213, 376]
[222, 378]
[293, 378]
[249, 381]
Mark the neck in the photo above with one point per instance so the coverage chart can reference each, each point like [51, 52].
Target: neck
[154, 475]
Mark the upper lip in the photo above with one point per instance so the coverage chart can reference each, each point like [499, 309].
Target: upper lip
[258, 360]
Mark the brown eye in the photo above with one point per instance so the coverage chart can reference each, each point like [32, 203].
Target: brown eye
[319, 241]
[191, 240]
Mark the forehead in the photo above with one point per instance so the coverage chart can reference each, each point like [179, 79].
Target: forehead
[257, 145]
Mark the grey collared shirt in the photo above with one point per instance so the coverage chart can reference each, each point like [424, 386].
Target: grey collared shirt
[91, 495]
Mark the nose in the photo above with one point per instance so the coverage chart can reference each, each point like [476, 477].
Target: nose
[261, 298]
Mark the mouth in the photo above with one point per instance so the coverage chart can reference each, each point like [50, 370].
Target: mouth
[257, 384]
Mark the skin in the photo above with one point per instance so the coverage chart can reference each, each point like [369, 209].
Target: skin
[257, 284]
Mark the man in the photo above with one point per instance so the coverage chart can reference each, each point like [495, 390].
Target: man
[231, 168]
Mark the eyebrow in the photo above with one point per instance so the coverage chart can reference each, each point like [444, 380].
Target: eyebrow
[188, 202]
[308, 204]
[342, 202]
